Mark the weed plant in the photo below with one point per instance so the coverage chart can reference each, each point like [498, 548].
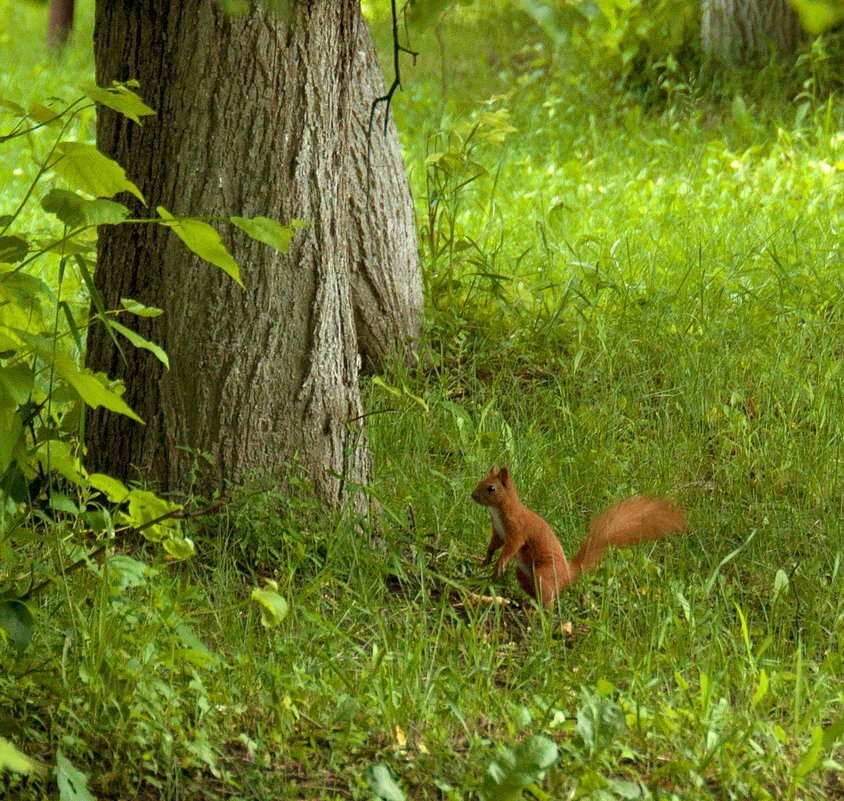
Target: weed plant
[624, 294]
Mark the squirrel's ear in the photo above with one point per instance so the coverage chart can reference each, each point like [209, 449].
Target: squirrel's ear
[503, 475]
[494, 470]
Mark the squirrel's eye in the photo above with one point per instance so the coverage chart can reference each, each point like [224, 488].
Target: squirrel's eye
[491, 488]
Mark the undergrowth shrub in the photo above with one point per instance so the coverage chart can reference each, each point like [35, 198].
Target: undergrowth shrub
[56, 518]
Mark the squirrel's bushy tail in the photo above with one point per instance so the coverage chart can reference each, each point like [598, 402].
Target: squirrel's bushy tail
[630, 522]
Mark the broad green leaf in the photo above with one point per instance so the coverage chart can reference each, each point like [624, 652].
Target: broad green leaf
[84, 167]
[122, 100]
[626, 789]
[16, 380]
[17, 621]
[833, 732]
[21, 296]
[76, 211]
[137, 308]
[780, 583]
[273, 607]
[203, 240]
[519, 768]
[11, 429]
[43, 115]
[13, 249]
[179, 547]
[139, 342]
[57, 455]
[62, 503]
[811, 757]
[116, 491]
[67, 246]
[761, 689]
[383, 785]
[125, 572]
[90, 388]
[144, 507]
[12, 106]
[16, 761]
[818, 16]
[72, 782]
[268, 231]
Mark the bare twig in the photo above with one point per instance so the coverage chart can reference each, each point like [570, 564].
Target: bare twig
[175, 514]
[387, 99]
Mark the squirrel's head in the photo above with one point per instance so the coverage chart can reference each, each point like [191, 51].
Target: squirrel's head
[494, 488]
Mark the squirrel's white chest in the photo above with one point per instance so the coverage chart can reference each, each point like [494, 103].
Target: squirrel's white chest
[497, 522]
[498, 527]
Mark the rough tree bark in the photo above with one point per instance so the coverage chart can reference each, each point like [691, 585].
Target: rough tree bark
[254, 118]
[386, 277]
[60, 23]
[741, 31]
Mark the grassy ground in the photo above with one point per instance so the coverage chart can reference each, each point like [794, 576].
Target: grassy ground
[636, 291]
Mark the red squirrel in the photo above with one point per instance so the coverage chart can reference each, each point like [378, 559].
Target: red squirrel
[541, 565]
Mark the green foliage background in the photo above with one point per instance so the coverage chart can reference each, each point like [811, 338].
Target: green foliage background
[633, 283]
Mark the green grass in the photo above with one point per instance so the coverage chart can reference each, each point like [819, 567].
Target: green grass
[633, 295]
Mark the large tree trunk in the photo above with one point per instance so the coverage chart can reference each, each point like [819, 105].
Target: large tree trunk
[60, 23]
[386, 278]
[254, 118]
[741, 31]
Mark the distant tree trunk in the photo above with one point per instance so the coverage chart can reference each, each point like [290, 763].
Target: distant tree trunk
[254, 118]
[60, 23]
[386, 278]
[741, 31]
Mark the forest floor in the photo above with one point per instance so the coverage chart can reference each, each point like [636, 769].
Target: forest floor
[630, 287]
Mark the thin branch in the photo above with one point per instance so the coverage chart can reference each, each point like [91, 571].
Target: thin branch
[387, 99]
[176, 514]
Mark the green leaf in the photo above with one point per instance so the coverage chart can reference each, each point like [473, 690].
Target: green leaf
[179, 547]
[76, 211]
[139, 342]
[273, 607]
[62, 503]
[17, 381]
[269, 231]
[13, 249]
[818, 16]
[122, 100]
[383, 784]
[59, 456]
[780, 583]
[43, 115]
[17, 621]
[19, 111]
[833, 732]
[126, 572]
[116, 491]
[144, 507]
[138, 308]
[16, 761]
[761, 689]
[626, 789]
[90, 388]
[11, 430]
[203, 240]
[72, 782]
[84, 167]
[519, 768]
[811, 757]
